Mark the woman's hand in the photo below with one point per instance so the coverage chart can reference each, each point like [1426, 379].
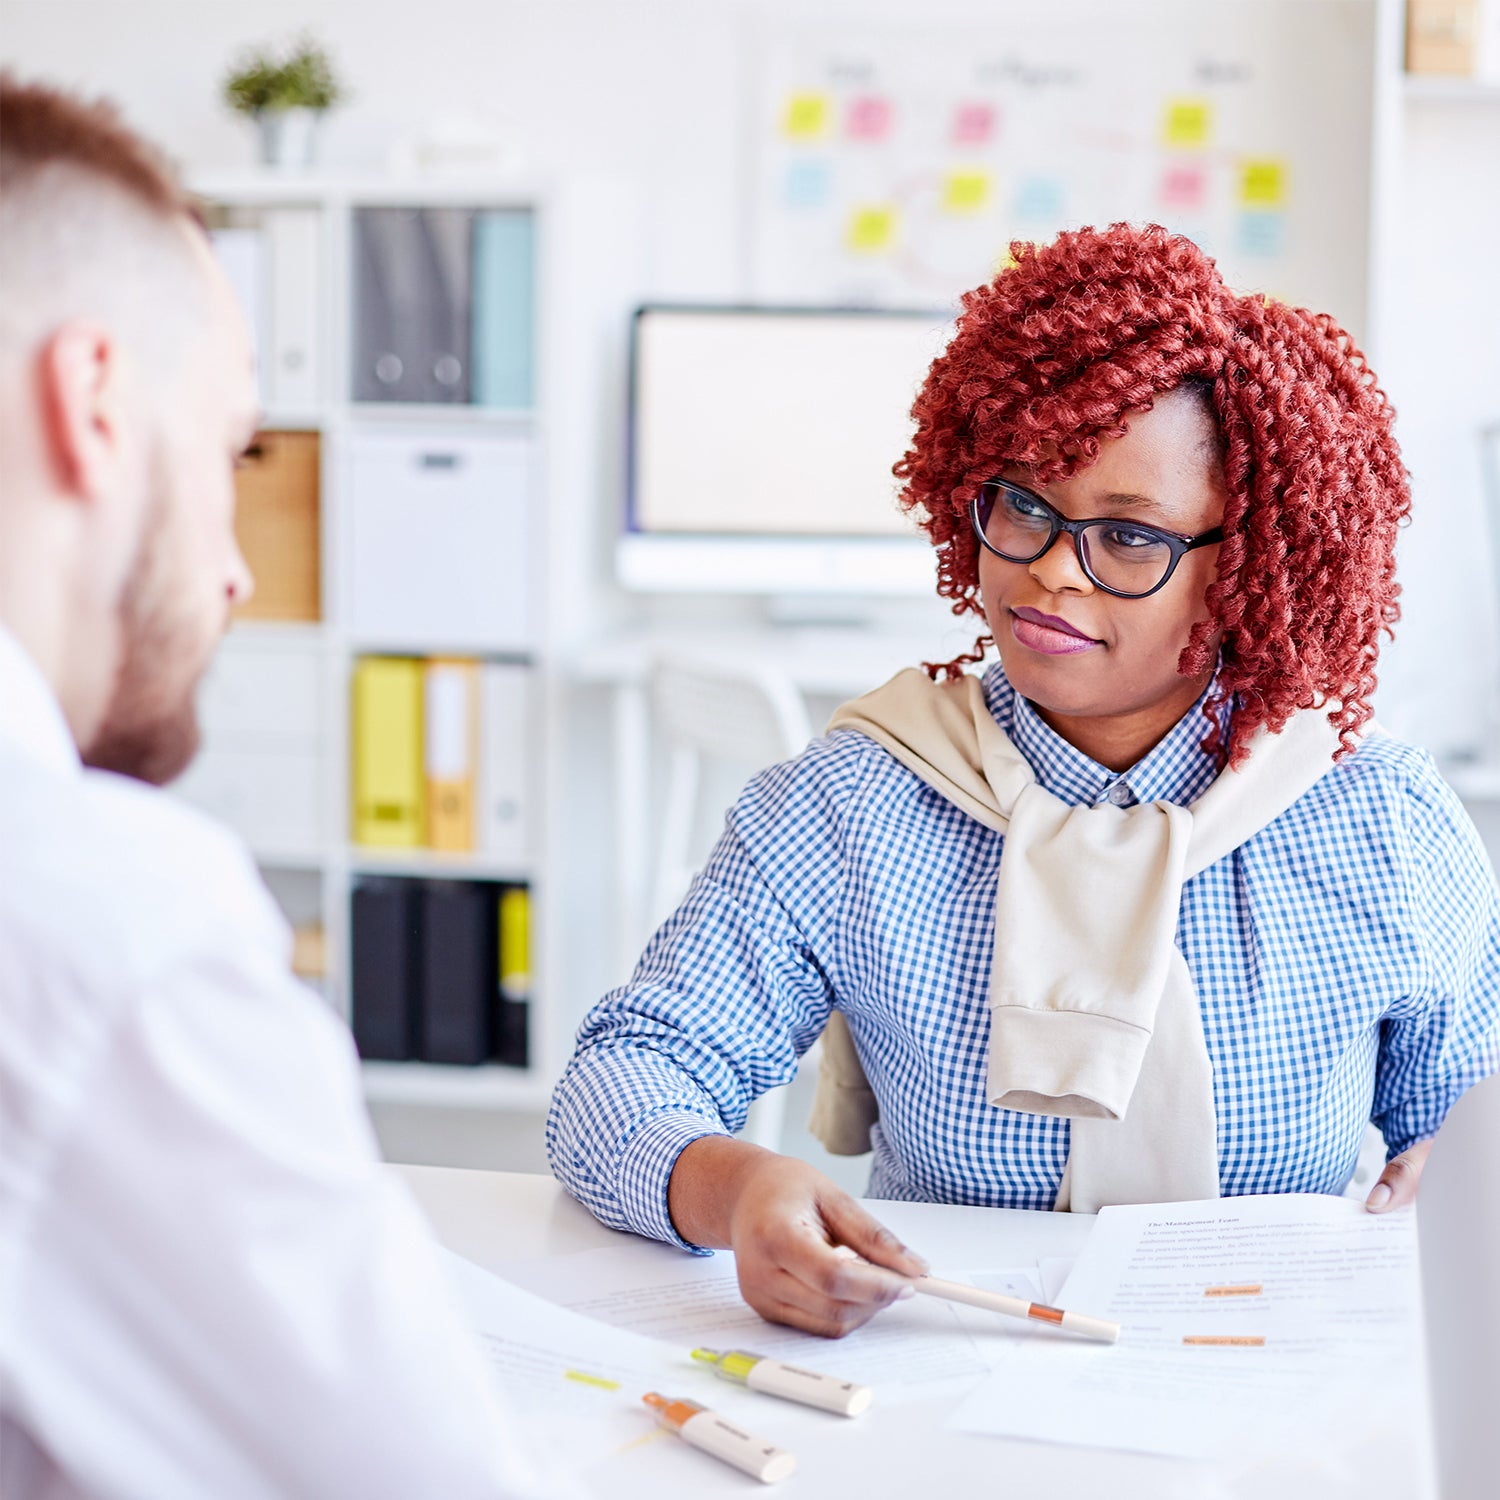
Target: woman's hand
[1397, 1185]
[785, 1220]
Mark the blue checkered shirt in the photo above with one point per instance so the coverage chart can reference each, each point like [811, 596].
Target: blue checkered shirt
[1347, 962]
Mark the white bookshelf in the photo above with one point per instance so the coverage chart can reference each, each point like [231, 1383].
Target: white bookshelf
[573, 334]
[1430, 89]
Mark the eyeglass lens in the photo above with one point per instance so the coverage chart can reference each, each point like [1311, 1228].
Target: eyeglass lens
[1119, 555]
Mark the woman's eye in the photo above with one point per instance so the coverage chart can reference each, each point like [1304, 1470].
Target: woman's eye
[1129, 539]
[1025, 505]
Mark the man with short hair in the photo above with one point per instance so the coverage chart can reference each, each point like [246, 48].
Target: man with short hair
[208, 1284]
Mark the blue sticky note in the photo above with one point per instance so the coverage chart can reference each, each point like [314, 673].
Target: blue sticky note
[807, 184]
[1039, 199]
[1262, 232]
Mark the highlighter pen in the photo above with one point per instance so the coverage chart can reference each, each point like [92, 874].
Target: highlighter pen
[709, 1431]
[791, 1382]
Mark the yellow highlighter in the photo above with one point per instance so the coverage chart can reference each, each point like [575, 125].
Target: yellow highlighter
[790, 1382]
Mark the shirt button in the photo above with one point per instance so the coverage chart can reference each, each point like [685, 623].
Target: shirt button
[1119, 794]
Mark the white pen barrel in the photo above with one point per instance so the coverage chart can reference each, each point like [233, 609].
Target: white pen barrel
[972, 1296]
[810, 1388]
[1091, 1328]
[751, 1455]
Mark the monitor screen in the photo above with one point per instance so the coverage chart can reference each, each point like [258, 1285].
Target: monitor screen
[761, 448]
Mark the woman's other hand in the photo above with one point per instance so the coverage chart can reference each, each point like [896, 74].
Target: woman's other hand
[1397, 1185]
[785, 1222]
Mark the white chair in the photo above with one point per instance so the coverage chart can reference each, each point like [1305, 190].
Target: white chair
[712, 715]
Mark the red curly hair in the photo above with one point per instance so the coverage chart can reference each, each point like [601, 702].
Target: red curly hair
[1050, 358]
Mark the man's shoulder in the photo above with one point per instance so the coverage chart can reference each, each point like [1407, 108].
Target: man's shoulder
[115, 873]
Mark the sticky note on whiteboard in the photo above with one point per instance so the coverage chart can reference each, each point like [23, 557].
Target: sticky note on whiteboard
[1040, 200]
[1187, 123]
[872, 228]
[1263, 182]
[973, 124]
[1262, 232]
[808, 184]
[1184, 186]
[805, 117]
[868, 119]
[965, 191]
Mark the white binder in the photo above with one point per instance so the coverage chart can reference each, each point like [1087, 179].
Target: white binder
[506, 731]
[241, 252]
[291, 365]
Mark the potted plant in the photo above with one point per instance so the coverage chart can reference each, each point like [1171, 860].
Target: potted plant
[286, 97]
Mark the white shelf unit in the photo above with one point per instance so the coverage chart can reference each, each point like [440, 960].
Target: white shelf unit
[1427, 88]
[579, 319]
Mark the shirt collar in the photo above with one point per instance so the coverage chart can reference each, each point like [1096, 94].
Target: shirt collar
[31, 719]
[1177, 770]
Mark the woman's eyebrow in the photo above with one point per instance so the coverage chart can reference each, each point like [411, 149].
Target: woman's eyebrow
[1124, 500]
[1110, 504]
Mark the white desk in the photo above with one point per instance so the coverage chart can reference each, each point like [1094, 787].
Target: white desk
[494, 1217]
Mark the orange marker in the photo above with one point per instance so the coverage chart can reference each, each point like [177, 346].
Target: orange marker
[713, 1434]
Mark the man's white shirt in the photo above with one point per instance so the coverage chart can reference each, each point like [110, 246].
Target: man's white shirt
[208, 1284]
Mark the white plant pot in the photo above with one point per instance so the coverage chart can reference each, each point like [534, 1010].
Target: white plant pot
[288, 137]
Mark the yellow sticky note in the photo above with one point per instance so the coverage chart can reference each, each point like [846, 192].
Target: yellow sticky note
[1263, 182]
[806, 116]
[1187, 123]
[871, 229]
[965, 192]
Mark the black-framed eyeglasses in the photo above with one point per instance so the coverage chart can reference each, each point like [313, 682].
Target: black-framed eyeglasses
[1124, 558]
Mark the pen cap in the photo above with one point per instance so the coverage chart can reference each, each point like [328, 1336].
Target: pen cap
[673, 1413]
[729, 1364]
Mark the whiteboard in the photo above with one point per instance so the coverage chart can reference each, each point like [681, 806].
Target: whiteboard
[893, 164]
[755, 422]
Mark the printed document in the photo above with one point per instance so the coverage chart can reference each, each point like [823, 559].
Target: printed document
[913, 1350]
[1246, 1322]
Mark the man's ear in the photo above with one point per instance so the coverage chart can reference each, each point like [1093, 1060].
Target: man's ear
[81, 372]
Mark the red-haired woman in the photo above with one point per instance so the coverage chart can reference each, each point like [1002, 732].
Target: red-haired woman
[1151, 909]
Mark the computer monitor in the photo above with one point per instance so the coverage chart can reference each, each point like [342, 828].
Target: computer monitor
[761, 446]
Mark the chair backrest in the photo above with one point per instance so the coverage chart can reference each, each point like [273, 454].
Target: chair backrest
[738, 718]
[708, 712]
[741, 713]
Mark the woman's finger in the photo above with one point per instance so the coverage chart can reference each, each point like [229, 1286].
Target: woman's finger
[1397, 1185]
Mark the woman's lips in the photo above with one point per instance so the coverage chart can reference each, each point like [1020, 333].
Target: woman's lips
[1048, 634]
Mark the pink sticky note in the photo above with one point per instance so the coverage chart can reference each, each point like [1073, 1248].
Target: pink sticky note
[1183, 187]
[869, 118]
[973, 124]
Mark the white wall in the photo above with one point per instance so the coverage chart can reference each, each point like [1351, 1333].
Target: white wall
[1440, 363]
[652, 90]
